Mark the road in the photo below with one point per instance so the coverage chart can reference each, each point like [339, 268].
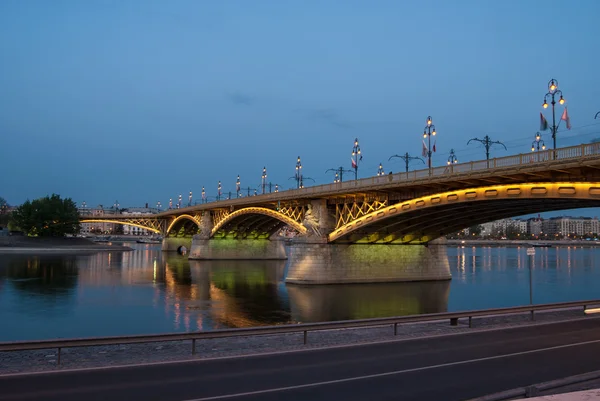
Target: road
[447, 368]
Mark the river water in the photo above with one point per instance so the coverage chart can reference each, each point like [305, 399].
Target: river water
[147, 291]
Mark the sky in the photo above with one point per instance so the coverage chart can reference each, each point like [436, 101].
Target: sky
[138, 101]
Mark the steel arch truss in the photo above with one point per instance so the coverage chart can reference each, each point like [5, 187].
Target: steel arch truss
[346, 213]
[185, 225]
[253, 222]
[295, 212]
[155, 225]
[424, 219]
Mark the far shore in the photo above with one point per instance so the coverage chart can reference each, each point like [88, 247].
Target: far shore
[523, 243]
[22, 244]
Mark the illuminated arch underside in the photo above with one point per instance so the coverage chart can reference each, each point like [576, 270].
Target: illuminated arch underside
[124, 222]
[424, 219]
[256, 222]
[186, 224]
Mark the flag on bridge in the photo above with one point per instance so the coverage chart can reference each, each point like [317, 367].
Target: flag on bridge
[565, 117]
[353, 162]
[543, 122]
[424, 153]
[433, 146]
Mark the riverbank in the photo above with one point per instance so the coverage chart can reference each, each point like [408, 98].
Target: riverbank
[521, 243]
[130, 354]
[22, 244]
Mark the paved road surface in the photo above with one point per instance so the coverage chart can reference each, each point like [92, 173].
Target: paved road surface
[439, 369]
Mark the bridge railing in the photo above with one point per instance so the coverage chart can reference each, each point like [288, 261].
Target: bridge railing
[305, 328]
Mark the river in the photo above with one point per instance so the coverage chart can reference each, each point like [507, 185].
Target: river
[147, 291]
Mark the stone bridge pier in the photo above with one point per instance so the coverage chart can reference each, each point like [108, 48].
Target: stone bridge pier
[313, 260]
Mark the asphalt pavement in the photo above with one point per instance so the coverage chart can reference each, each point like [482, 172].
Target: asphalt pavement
[456, 367]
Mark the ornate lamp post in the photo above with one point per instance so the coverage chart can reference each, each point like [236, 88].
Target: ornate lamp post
[452, 158]
[407, 158]
[116, 206]
[487, 143]
[238, 186]
[339, 173]
[179, 202]
[428, 132]
[170, 203]
[219, 191]
[158, 206]
[190, 199]
[298, 175]
[553, 91]
[356, 158]
[538, 143]
[380, 170]
[203, 195]
[264, 179]
[276, 187]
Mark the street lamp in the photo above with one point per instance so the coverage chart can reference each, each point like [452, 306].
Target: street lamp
[537, 143]
[190, 199]
[427, 133]
[553, 91]
[276, 187]
[264, 179]
[487, 143]
[356, 158]
[339, 173]
[219, 191]
[298, 175]
[116, 206]
[407, 158]
[380, 170]
[170, 203]
[238, 186]
[452, 158]
[203, 195]
[158, 205]
[179, 202]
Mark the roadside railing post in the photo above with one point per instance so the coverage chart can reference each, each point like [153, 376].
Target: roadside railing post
[193, 346]
[470, 321]
[305, 336]
[395, 329]
[58, 357]
[532, 315]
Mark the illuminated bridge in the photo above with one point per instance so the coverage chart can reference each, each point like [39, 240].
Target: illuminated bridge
[348, 231]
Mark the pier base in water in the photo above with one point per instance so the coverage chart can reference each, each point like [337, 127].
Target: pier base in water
[237, 249]
[324, 263]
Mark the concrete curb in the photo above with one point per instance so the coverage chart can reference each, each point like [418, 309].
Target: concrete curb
[535, 389]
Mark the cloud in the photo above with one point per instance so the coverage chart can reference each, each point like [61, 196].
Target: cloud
[240, 98]
[328, 116]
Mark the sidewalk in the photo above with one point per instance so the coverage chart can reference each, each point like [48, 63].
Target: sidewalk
[588, 395]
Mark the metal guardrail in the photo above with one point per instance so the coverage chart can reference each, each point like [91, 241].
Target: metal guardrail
[304, 328]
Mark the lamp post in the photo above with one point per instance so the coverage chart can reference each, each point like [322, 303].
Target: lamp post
[407, 158]
[356, 158]
[179, 202]
[339, 173]
[264, 179]
[428, 132]
[380, 170]
[238, 186]
[170, 203]
[487, 143]
[203, 195]
[537, 143]
[116, 206]
[276, 187]
[190, 199]
[158, 206]
[553, 91]
[219, 191]
[452, 159]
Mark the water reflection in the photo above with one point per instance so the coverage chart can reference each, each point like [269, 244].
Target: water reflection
[148, 291]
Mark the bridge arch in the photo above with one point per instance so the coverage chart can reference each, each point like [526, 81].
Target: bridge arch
[188, 223]
[123, 222]
[423, 219]
[257, 219]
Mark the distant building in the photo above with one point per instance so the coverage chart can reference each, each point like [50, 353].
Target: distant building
[136, 211]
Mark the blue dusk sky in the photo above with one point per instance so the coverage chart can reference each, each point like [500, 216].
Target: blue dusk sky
[140, 100]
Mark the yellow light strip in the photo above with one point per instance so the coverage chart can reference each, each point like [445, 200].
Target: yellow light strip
[120, 222]
[183, 216]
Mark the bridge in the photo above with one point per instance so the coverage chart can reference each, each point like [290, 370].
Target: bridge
[335, 222]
